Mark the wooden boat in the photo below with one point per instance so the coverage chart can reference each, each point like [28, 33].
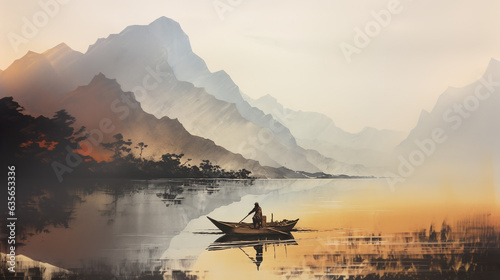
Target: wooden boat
[283, 227]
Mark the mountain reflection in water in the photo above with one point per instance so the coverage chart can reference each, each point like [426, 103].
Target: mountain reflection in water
[122, 230]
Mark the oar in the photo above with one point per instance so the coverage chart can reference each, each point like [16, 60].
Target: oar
[244, 218]
[252, 259]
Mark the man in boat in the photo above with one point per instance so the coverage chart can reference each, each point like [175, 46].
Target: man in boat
[257, 217]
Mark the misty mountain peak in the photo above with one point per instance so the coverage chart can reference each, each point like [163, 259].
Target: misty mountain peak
[101, 78]
[61, 56]
[268, 98]
[103, 85]
[62, 47]
[167, 27]
[165, 21]
[31, 60]
[100, 93]
[150, 40]
[171, 35]
[368, 130]
[424, 114]
[493, 66]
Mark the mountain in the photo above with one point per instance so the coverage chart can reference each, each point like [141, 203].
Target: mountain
[115, 111]
[187, 66]
[201, 113]
[34, 82]
[456, 142]
[370, 147]
[37, 81]
[140, 58]
[142, 52]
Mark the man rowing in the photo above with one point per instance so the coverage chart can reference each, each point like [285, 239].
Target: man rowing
[257, 217]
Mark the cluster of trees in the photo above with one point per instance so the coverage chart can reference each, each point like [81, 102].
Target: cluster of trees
[34, 144]
[126, 164]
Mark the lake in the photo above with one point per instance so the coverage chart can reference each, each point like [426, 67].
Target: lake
[348, 229]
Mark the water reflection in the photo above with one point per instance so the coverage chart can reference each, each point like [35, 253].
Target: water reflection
[173, 190]
[258, 243]
[113, 227]
[172, 195]
[208, 186]
[469, 250]
[122, 230]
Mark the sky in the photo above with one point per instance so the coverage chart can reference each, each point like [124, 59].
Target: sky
[375, 63]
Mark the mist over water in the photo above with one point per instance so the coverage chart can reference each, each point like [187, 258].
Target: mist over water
[348, 229]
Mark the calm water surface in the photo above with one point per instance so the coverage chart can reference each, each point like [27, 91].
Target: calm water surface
[348, 229]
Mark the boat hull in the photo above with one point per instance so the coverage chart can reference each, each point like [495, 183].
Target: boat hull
[247, 228]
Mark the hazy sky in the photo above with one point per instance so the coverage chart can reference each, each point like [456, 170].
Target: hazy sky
[292, 49]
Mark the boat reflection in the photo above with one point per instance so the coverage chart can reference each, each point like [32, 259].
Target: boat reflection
[258, 243]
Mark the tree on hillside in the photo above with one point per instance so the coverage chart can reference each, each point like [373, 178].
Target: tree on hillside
[60, 130]
[141, 146]
[119, 147]
[243, 174]
[210, 170]
[171, 163]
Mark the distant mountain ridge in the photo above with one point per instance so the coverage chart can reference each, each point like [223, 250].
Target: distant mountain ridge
[456, 144]
[464, 114]
[312, 130]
